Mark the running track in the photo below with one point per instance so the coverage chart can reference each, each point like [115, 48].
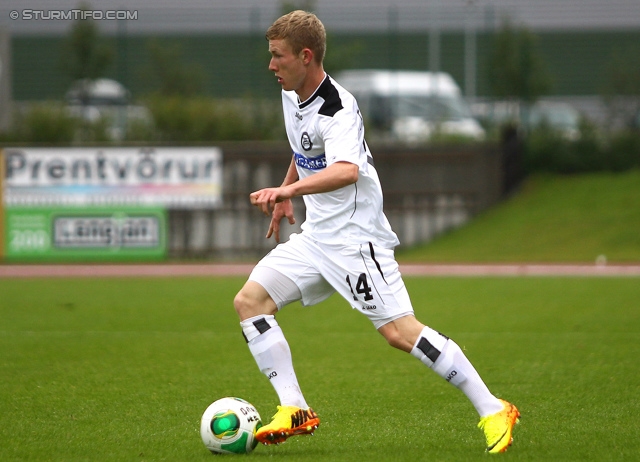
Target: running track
[173, 270]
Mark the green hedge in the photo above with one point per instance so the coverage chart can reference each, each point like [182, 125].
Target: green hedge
[547, 150]
[196, 120]
[179, 119]
[171, 120]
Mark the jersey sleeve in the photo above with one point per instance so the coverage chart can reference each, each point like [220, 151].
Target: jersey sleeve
[343, 137]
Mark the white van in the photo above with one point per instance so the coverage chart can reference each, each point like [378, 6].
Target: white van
[411, 106]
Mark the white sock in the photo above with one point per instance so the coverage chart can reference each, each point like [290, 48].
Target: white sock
[447, 360]
[273, 356]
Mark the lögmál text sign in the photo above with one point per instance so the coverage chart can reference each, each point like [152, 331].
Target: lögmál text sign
[75, 233]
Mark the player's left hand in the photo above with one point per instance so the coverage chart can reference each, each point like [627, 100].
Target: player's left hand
[266, 199]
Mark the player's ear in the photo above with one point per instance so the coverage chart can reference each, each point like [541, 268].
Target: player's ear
[306, 55]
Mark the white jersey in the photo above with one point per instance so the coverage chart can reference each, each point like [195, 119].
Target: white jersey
[328, 128]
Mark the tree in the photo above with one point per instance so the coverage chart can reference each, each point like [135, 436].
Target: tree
[622, 88]
[85, 55]
[517, 70]
[169, 74]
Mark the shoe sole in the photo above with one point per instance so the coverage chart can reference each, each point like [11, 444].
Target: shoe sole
[280, 436]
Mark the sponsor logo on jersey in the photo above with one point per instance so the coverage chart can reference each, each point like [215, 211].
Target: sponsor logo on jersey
[305, 140]
[298, 116]
[310, 163]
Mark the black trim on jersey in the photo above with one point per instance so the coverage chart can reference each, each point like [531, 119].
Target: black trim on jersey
[329, 93]
[355, 201]
[373, 257]
[371, 279]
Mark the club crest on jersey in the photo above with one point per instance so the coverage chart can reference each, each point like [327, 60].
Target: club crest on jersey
[305, 141]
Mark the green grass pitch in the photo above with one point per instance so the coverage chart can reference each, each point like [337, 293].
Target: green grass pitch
[122, 369]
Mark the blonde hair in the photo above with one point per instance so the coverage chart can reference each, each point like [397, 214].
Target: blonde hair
[300, 29]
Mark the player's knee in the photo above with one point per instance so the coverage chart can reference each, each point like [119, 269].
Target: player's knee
[396, 340]
[248, 305]
[401, 333]
[243, 305]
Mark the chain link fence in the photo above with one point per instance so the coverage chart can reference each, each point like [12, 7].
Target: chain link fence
[224, 46]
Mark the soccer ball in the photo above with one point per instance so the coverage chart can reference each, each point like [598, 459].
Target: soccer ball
[229, 426]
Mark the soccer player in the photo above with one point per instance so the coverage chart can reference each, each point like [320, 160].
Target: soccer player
[346, 244]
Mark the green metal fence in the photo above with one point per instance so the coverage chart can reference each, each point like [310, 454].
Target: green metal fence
[235, 65]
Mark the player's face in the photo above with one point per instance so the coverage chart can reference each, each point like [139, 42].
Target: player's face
[288, 67]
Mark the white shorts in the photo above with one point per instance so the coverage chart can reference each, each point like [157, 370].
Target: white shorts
[365, 275]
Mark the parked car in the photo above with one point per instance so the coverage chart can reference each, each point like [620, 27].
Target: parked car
[558, 116]
[411, 106]
[555, 115]
[106, 99]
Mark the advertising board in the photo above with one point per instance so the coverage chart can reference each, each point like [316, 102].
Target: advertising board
[82, 234]
[98, 204]
[178, 178]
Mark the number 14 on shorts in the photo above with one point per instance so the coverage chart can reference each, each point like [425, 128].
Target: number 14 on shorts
[362, 287]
